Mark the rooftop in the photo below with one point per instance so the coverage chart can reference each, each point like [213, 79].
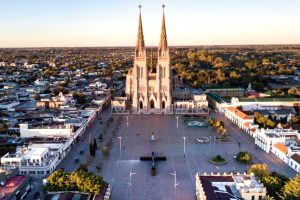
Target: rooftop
[11, 185]
[281, 147]
[228, 186]
[269, 99]
[216, 97]
[296, 157]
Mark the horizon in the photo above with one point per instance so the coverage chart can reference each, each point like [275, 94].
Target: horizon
[54, 23]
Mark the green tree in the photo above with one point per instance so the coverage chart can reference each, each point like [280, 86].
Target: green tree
[273, 185]
[259, 170]
[291, 190]
[244, 157]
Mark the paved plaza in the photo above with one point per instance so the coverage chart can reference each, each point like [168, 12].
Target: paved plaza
[136, 142]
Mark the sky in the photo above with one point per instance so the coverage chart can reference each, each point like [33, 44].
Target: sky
[73, 23]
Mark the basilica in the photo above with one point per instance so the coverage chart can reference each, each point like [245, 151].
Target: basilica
[154, 88]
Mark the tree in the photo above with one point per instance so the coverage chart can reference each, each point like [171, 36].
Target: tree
[3, 128]
[259, 170]
[273, 185]
[269, 198]
[79, 97]
[80, 180]
[244, 157]
[92, 150]
[37, 96]
[95, 144]
[291, 190]
[47, 89]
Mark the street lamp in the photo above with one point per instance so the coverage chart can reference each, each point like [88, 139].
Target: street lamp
[175, 182]
[130, 174]
[120, 138]
[184, 138]
[127, 121]
[177, 121]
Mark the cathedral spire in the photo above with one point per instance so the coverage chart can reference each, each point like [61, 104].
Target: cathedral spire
[140, 44]
[163, 44]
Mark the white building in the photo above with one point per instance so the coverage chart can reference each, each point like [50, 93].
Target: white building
[294, 162]
[267, 138]
[63, 131]
[242, 120]
[265, 103]
[198, 104]
[36, 160]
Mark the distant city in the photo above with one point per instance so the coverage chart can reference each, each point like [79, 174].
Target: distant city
[150, 122]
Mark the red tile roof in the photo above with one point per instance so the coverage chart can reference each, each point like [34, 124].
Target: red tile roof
[281, 147]
[238, 113]
[247, 124]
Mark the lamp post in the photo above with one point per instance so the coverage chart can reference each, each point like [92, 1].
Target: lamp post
[127, 121]
[120, 138]
[175, 182]
[130, 174]
[177, 121]
[184, 138]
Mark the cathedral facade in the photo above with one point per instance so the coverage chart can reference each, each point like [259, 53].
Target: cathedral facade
[150, 90]
[155, 88]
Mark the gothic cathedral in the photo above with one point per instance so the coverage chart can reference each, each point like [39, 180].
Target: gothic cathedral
[149, 90]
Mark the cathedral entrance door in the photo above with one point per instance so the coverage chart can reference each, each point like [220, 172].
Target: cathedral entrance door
[141, 105]
[163, 105]
[152, 104]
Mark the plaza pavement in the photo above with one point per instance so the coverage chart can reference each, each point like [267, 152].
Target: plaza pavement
[136, 142]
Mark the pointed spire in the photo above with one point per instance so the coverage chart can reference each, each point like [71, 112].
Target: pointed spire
[140, 44]
[163, 44]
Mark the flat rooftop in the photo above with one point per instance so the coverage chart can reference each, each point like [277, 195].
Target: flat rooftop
[10, 186]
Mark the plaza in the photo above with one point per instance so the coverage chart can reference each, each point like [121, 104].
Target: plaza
[136, 141]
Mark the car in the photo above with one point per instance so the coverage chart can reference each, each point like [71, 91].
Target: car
[203, 140]
[76, 161]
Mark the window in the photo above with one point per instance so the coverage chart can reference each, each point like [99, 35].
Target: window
[260, 198]
[40, 172]
[31, 172]
[48, 171]
[252, 197]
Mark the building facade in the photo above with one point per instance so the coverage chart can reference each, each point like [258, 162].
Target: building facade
[149, 89]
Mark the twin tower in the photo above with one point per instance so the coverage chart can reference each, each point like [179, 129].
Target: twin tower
[150, 91]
